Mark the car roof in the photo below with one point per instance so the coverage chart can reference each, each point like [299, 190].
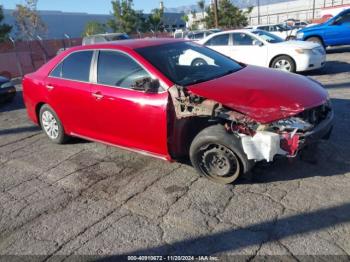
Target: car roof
[269, 24]
[131, 43]
[234, 31]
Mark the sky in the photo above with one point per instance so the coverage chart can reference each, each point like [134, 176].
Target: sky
[94, 6]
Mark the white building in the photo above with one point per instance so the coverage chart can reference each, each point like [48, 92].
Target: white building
[196, 19]
[297, 9]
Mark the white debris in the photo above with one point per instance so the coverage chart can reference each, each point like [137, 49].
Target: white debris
[263, 145]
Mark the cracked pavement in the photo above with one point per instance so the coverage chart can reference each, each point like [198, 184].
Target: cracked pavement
[85, 198]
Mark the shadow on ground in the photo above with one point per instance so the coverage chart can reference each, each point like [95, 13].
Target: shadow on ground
[330, 68]
[18, 130]
[240, 238]
[340, 49]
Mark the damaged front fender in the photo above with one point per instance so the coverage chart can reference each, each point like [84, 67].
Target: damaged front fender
[260, 141]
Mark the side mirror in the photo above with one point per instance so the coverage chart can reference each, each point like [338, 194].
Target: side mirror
[258, 43]
[146, 84]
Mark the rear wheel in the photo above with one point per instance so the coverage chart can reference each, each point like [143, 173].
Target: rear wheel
[284, 63]
[218, 155]
[52, 125]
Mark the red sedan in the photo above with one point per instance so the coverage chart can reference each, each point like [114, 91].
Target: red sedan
[146, 96]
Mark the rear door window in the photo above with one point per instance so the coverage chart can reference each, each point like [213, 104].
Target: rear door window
[75, 67]
[242, 39]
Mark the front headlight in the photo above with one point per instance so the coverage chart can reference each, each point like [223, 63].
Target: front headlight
[303, 51]
[292, 124]
[300, 35]
[7, 84]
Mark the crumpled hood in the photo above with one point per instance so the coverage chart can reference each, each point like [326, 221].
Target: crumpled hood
[265, 95]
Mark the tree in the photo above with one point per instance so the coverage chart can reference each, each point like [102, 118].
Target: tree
[185, 18]
[5, 29]
[229, 16]
[201, 5]
[93, 28]
[126, 19]
[155, 19]
[28, 21]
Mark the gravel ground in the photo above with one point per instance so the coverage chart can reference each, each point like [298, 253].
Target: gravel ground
[90, 199]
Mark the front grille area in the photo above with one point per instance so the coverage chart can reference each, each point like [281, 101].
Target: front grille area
[315, 115]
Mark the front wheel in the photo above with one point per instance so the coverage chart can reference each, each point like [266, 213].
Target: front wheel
[315, 40]
[51, 125]
[219, 156]
[284, 63]
[199, 62]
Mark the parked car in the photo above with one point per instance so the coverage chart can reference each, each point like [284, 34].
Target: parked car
[334, 32]
[261, 48]
[7, 90]
[101, 38]
[299, 25]
[283, 31]
[295, 23]
[195, 35]
[135, 94]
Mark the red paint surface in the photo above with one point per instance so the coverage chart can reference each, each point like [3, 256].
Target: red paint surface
[263, 94]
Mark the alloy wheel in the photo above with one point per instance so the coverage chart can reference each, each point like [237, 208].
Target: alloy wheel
[50, 125]
[283, 65]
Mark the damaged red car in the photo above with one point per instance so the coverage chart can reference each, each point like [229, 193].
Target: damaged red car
[173, 99]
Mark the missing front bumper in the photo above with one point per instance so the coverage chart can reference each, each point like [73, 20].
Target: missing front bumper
[266, 145]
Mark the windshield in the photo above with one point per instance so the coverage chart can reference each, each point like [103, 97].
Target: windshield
[282, 27]
[187, 63]
[268, 37]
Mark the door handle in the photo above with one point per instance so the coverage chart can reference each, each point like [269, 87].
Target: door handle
[98, 95]
[50, 87]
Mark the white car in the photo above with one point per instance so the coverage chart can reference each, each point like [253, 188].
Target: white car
[258, 47]
[283, 31]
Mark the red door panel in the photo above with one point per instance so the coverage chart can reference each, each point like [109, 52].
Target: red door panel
[131, 118]
[72, 102]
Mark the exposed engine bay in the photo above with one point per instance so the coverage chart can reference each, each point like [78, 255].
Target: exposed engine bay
[260, 141]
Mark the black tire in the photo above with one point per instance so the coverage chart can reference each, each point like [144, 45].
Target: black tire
[291, 64]
[218, 155]
[199, 62]
[11, 98]
[315, 39]
[290, 37]
[61, 137]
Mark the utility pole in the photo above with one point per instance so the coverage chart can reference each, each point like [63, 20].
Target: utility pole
[313, 9]
[259, 12]
[216, 13]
